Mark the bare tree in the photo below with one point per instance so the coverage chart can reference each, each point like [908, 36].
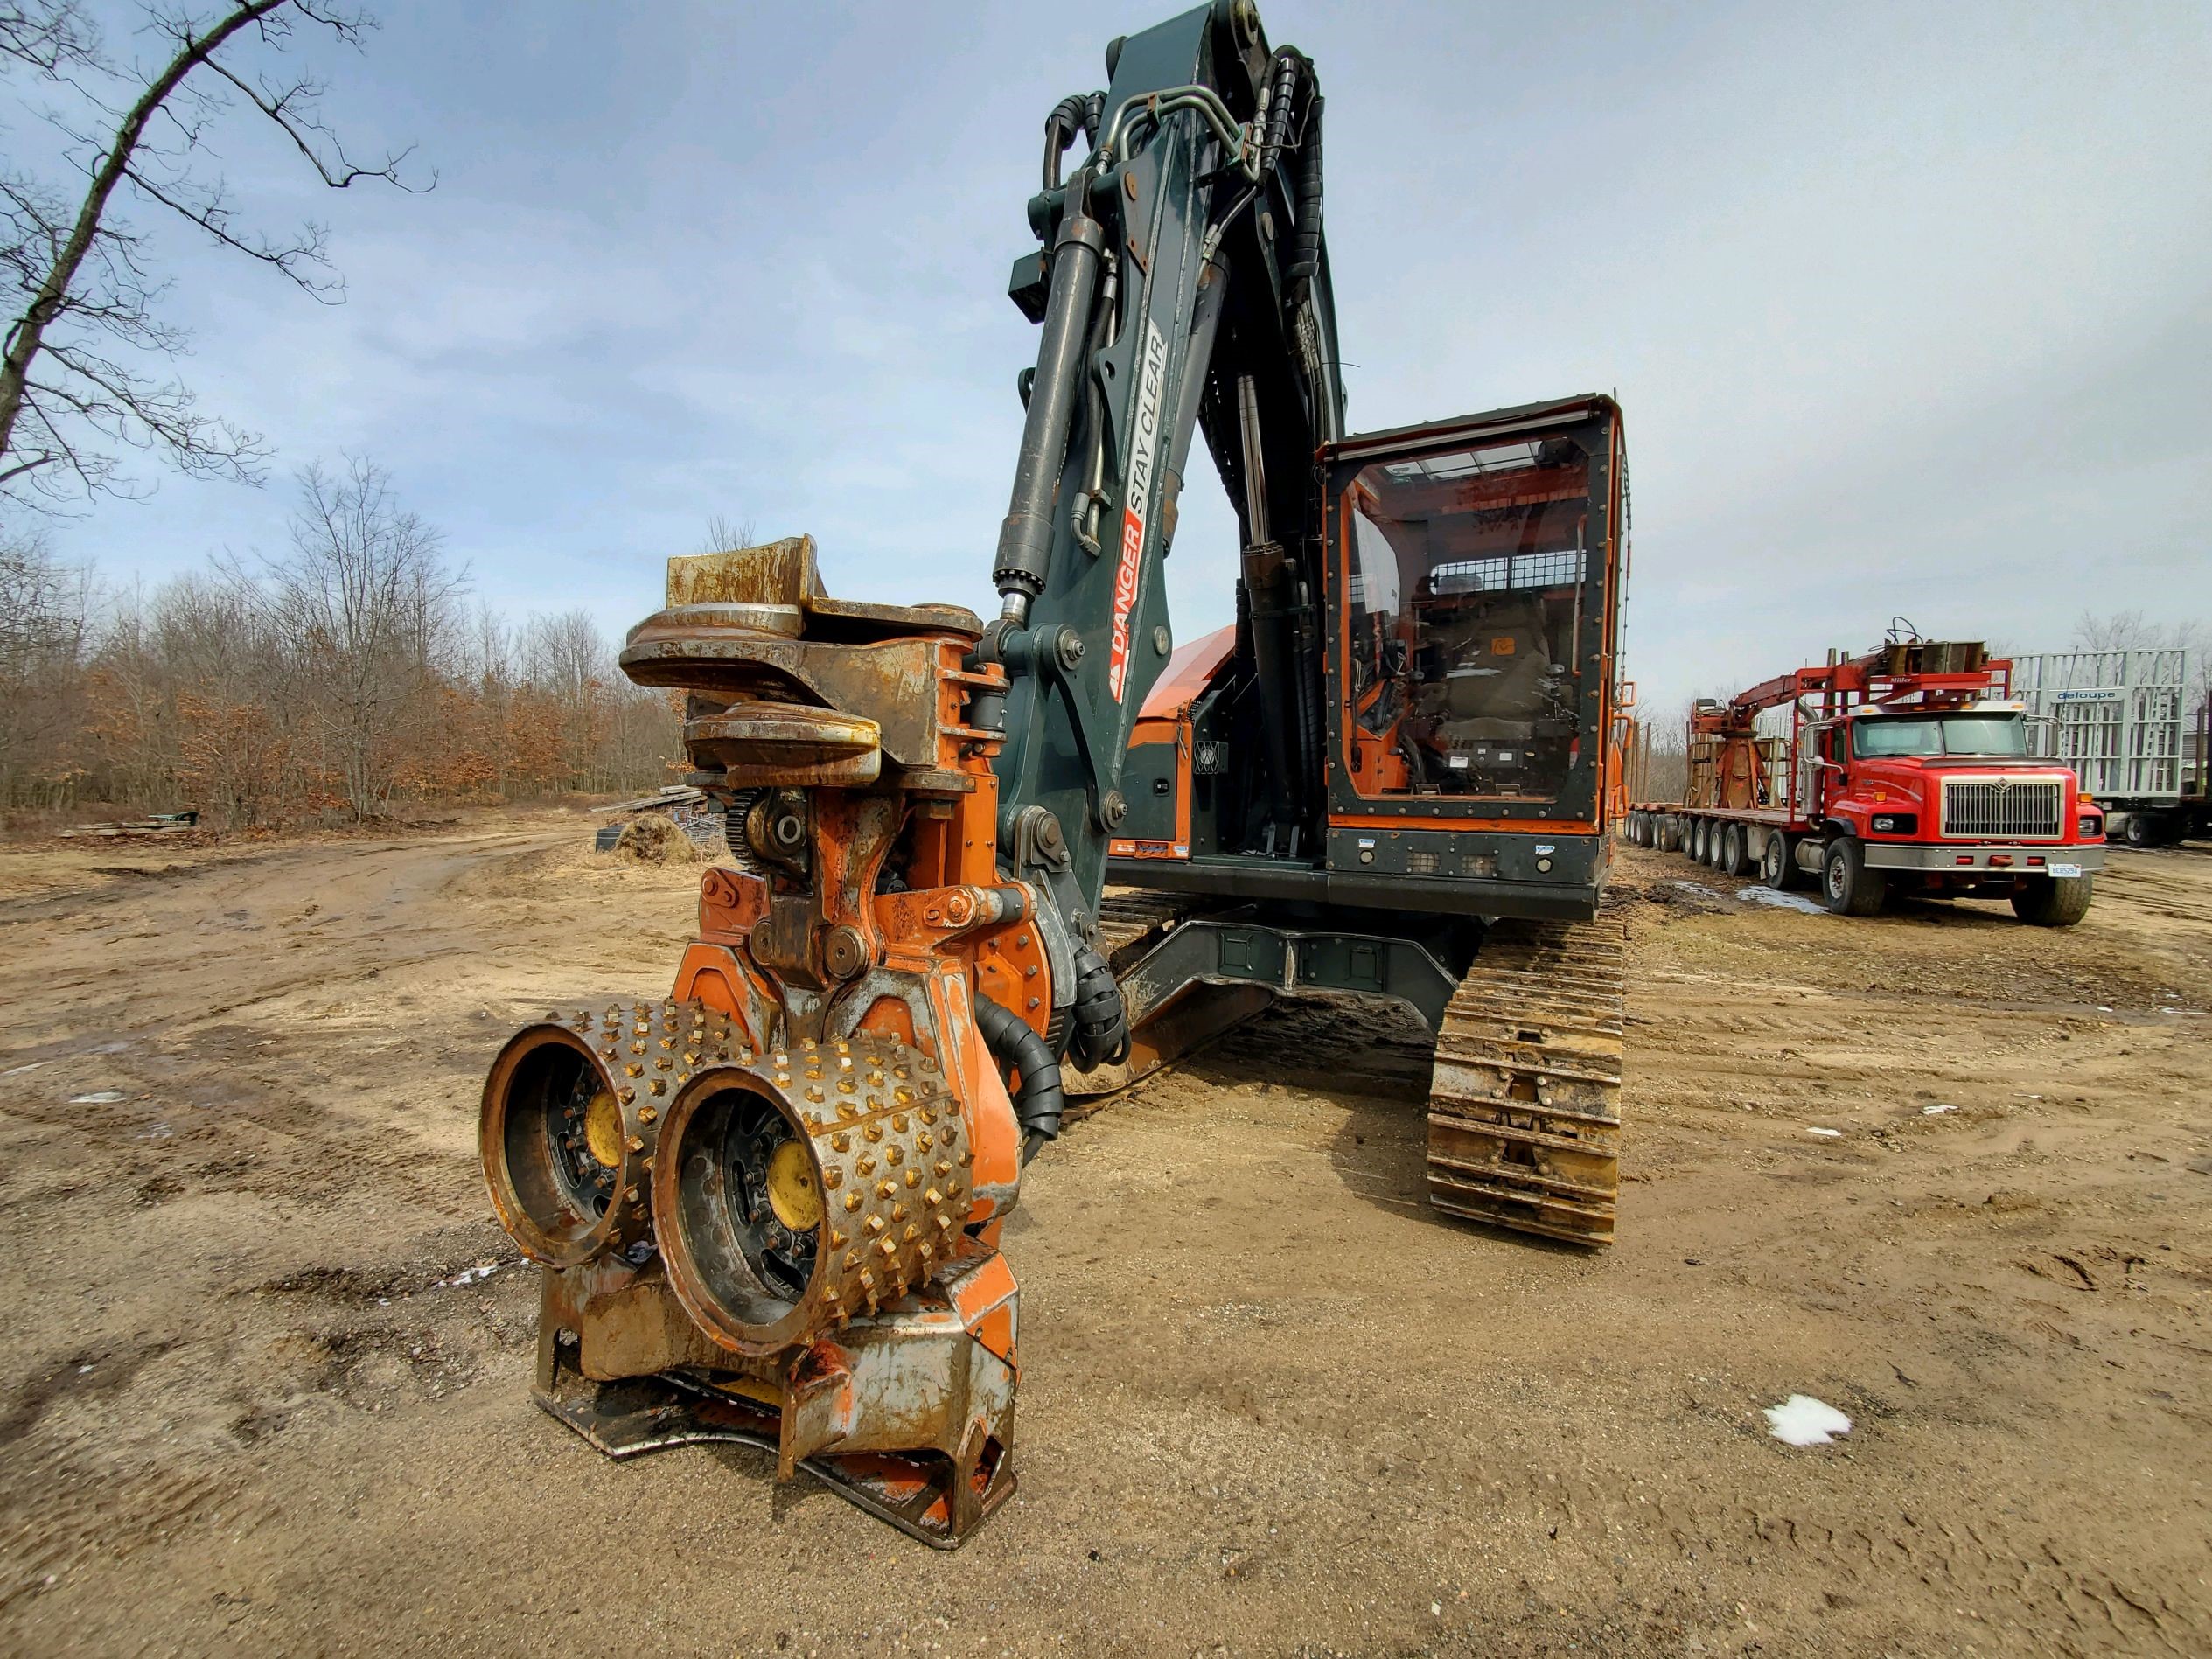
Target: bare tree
[725, 534]
[44, 615]
[83, 370]
[2132, 631]
[364, 603]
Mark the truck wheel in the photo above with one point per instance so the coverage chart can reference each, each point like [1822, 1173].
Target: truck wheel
[2138, 831]
[1694, 840]
[1709, 843]
[1847, 886]
[2049, 901]
[1670, 834]
[1734, 861]
[1778, 864]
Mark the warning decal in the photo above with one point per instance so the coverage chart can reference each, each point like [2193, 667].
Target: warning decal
[1136, 495]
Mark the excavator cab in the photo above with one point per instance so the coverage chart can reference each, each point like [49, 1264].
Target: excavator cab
[1469, 574]
[1462, 577]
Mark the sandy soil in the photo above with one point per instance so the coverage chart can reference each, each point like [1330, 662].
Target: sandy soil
[256, 1394]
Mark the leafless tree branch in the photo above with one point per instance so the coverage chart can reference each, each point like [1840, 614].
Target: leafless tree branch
[80, 272]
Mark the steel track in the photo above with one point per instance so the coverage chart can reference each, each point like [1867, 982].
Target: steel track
[1524, 1105]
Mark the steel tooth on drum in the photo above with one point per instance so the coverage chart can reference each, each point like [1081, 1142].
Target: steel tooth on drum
[809, 1189]
[573, 1112]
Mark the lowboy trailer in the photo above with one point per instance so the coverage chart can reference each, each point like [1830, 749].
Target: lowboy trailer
[1905, 770]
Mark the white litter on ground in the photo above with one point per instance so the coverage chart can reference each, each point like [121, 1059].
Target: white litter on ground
[1803, 1420]
[17, 1071]
[1937, 1110]
[1832, 1134]
[100, 1097]
[1782, 901]
[466, 1276]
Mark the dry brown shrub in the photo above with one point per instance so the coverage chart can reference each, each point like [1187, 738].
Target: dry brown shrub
[653, 837]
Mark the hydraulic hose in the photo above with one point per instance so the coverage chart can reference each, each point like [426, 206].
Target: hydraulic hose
[1305, 241]
[1288, 68]
[1077, 113]
[1038, 1102]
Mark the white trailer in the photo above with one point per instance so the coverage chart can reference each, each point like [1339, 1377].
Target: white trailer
[2128, 724]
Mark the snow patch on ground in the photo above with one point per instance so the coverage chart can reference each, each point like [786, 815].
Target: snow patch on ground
[1803, 1420]
[466, 1276]
[1782, 901]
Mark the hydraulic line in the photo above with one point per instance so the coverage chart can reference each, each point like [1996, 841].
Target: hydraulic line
[1305, 241]
[1205, 320]
[1077, 113]
[1242, 155]
[1038, 1102]
[1093, 497]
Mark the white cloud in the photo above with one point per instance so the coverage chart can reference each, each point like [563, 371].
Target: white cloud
[1906, 305]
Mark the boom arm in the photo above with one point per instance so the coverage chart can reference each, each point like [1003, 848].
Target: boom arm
[1184, 286]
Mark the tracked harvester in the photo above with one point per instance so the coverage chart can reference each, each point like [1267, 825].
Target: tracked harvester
[768, 1207]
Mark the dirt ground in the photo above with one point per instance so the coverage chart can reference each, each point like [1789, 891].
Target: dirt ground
[258, 1393]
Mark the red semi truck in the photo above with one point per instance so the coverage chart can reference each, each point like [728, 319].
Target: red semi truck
[1905, 770]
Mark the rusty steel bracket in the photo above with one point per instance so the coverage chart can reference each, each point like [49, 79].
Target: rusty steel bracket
[631, 1418]
[921, 1397]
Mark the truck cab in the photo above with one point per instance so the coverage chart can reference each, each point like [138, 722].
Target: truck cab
[1948, 802]
[1905, 769]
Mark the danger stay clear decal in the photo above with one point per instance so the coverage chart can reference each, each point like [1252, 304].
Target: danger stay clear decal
[1136, 494]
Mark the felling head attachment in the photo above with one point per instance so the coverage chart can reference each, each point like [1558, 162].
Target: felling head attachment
[779, 1194]
[572, 1113]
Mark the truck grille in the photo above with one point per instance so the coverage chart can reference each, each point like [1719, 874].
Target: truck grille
[1977, 809]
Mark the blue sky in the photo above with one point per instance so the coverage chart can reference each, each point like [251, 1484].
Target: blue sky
[1910, 307]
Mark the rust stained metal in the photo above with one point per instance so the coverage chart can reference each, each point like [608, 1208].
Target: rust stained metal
[784, 574]
[775, 572]
[552, 1084]
[892, 683]
[876, 1350]
[889, 1153]
[624, 1319]
[756, 744]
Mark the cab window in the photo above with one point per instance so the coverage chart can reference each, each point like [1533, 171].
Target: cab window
[1467, 577]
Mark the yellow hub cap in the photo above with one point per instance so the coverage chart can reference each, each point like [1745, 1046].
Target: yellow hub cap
[792, 1193]
[603, 1129]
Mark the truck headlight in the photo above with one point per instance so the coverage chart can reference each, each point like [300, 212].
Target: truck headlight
[1894, 823]
[2091, 827]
